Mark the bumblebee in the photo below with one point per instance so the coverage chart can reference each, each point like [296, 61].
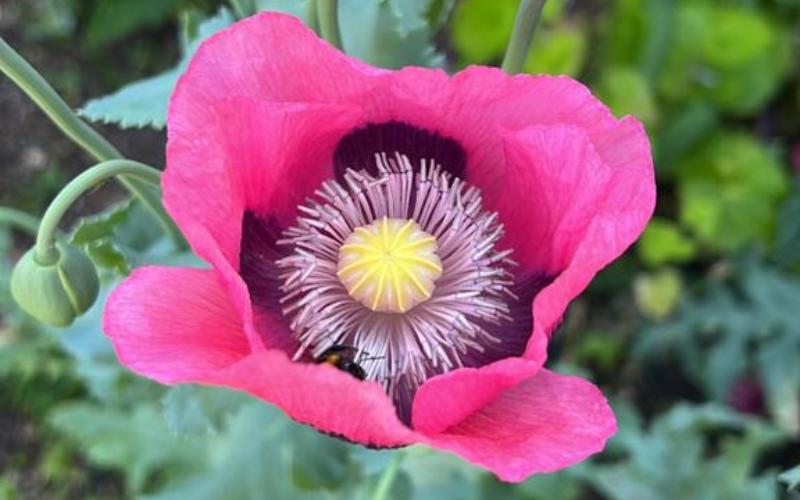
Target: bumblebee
[343, 357]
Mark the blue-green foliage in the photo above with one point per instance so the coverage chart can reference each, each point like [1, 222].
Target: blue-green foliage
[706, 304]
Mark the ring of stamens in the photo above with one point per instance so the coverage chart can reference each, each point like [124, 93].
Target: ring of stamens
[401, 344]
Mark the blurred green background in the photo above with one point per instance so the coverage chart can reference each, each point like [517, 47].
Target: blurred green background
[694, 334]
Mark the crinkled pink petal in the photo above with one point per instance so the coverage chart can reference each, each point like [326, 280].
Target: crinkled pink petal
[237, 154]
[447, 399]
[476, 106]
[554, 185]
[178, 325]
[548, 422]
[322, 396]
[174, 324]
[253, 125]
[619, 219]
[272, 57]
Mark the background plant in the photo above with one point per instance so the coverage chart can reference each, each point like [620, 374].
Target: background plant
[694, 332]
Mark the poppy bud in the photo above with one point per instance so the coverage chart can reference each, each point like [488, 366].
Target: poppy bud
[55, 293]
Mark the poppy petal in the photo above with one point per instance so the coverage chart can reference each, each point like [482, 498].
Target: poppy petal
[567, 213]
[174, 324]
[545, 423]
[239, 154]
[322, 396]
[273, 57]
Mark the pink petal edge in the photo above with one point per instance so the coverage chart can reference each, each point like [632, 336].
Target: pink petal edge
[546, 423]
[164, 333]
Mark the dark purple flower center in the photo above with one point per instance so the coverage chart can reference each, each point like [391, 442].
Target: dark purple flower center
[478, 312]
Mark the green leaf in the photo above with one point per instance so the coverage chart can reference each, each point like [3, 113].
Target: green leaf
[389, 33]
[729, 191]
[480, 30]
[791, 478]
[664, 243]
[787, 244]
[743, 58]
[139, 104]
[681, 132]
[386, 33]
[144, 103]
[558, 51]
[193, 409]
[744, 326]
[627, 92]
[296, 8]
[674, 459]
[135, 442]
[440, 475]
[254, 455]
[96, 234]
[657, 294]
[735, 38]
[113, 20]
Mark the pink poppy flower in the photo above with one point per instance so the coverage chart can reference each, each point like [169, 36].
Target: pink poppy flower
[421, 232]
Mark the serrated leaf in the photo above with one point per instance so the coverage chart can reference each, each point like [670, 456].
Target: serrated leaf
[673, 460]
[386, 33]
[791, 478]
[136, 105]
[100, 226]
[780, 371]
[135, 442]
[251, 460]
[106, 253]
[144, 103]
[96, 234]
[193, 409]
[389, 33]
[733, 327]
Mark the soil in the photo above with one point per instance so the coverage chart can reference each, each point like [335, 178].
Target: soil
[36, 159]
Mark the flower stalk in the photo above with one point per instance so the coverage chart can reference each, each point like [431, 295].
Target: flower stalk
[389, 475]
[522, 35]
[312, 18]
[328, 12]
[21, 220]
[46, 251]
[46, 98]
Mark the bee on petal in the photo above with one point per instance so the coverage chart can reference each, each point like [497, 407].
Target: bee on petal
[343, 357]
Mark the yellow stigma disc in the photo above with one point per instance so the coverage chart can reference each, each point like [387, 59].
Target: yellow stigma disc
[390, 265]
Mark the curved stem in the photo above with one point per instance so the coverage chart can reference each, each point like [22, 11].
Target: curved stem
[46, 252]
[387, 478]
[43, 95]
[19, 219]
[328, 12]
[521, 37]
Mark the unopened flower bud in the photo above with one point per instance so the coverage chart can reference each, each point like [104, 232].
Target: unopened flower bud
[55, 293]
